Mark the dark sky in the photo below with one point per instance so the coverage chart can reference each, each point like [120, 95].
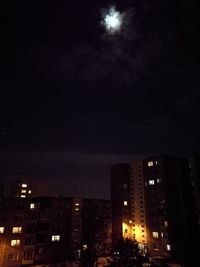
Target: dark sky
[75, 99]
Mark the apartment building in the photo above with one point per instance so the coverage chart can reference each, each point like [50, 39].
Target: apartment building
[169, 209]
[47, 230]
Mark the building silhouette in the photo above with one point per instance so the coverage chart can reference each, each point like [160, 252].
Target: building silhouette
[120, 202]
[25, 189]
[159, 207]
[48, 230]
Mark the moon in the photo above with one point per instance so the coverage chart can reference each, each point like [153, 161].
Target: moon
[112, 20]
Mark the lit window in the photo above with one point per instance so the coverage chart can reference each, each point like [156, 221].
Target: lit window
[1, 230]
[32, 206]
[125, 203]
[168, 247]
[162, 235]
[155, 234]
[156, 162]
[77, 204]
[23, 191]
[29, 191]
[166, 223]
[151, 182]
[17, 230]
[15, 243]
[55, 238]
[23, 196]
[150, 163]
[84, 246]
[76, 209]
[158, 180]
[24, 185]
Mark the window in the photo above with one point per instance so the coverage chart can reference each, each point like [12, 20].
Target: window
[15, 243]
[24, 185]
[125, 203]
[32, 206]
[55, 238]
[76, 209]
[23, 191]
[166, 223]
[77, 204]
[29, 241]
[29, 191]
[28, 254]
[158, 180]
[23, 196]
[162, 235]
[41, 251]
[168, 247]
[151, 182]
[84, 246]
[126, 231]
[150, 163]
[17, 230]
[155, 234]
[1, 230]
[13, 256]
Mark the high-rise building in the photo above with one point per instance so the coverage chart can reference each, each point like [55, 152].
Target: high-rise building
[138, 214]
[47, 230]
[34, 231]
[169, 208]
[24, 189]
[128, 204]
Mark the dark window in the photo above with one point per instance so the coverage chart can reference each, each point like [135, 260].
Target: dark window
[28, 254]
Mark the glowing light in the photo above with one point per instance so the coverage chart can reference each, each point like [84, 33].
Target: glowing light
[150, 163]
[155, 234]
[168, 247]
[55, 238]
[126, 230]
[113, 20]
[32, 206]
[17, 230]
[24, 185]
[125, 203]
[15, 243]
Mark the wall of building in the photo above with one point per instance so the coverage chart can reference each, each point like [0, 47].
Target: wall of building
[121, 202]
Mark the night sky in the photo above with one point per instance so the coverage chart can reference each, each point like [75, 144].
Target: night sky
[75, 99]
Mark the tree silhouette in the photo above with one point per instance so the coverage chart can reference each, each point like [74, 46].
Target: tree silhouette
[127, 253]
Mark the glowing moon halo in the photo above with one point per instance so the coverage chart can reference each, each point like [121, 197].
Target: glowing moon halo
[113, 20]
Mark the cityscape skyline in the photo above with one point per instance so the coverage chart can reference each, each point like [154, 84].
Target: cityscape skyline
[92, 188]
[77, 96]
[154, 202]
